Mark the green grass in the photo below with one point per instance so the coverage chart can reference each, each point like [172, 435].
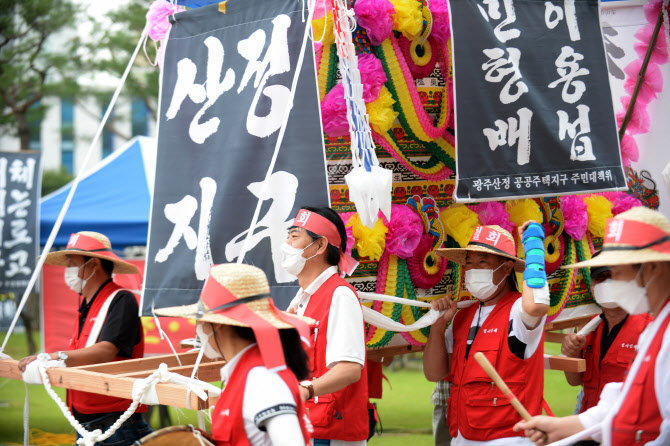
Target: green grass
[405, 410]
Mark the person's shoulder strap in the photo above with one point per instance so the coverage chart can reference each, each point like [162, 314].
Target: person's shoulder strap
[100, 318]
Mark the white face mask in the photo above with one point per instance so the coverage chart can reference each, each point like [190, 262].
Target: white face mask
[292, 260]
[72, 279]
[605, 294]
[479, 282]
[630, 296]
[209, 351]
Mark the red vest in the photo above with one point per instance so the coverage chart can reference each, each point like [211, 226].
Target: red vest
[227, 418]
[477, 408]
[85, 402]
[639, 418]
[342, 415]
[613, 367]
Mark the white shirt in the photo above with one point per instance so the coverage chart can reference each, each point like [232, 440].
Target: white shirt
[532, 340]
[611, 391]
[266, 395]
[346, 333]
[345, 340]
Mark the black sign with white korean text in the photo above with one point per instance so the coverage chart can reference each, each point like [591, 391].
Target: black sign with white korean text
[534, 113]
[226, 85]
[20, 177]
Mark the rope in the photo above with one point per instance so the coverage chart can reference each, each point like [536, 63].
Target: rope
[141, 388]
[377, 319]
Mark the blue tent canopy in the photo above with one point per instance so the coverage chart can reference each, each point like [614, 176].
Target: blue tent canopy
[114, 198]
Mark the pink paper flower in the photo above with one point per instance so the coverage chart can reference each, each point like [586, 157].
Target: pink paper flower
[376, 16]
[157, 18]
[405, 231]
[321, 8]
[652, 84]
[639, 119]
[575, 216]
[621, 202]
[493, 213]
[441, 30]
[629, 151]
[345, 216]
[659, 54]
[334, 112]
[652, 9]
[373, 76]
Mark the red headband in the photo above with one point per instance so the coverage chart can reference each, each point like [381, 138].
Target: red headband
[85, 243]
[636, 235]
[492, 239]
[267, 335]
[325, 228]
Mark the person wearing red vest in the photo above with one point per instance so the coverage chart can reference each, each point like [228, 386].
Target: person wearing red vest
[336, 394]
[609, 349]
[636, 247]
[506, 326]
[237, 321]
[108, 329]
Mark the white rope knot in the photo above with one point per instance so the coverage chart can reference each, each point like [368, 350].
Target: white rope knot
[33, 371]
[91, 438]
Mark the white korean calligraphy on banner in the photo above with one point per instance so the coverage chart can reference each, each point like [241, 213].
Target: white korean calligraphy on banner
[281, 190]
[180, 214]
[19, 183]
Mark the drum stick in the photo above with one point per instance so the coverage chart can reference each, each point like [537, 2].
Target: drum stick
[590, 326]
[488, 368]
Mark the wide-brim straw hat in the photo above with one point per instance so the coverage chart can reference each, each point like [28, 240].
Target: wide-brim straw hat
[491, 239]
[227, 286]
[90, 244]
[639, 235]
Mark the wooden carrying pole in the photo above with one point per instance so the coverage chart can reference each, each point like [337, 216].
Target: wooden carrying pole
[488, 368]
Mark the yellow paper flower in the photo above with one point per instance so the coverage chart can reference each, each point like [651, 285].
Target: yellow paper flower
[408, 18]
[599, 209]
[317, 29]
[520, 211]
[369, 242]
[381, 112]
[460, 223]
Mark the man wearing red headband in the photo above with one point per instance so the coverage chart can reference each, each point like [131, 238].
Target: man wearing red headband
[609, 349]
[506, 326]
[636, 247]
[337, 394]
[108, 329]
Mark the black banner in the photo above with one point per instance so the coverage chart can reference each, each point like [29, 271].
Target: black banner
[534, 113]
[226, 84]
[20, 177]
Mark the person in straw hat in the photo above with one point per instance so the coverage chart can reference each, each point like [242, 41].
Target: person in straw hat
[636, 247]
[506, 326]
[237, 321]
[609, 349]
[108, 329]
[337, 393]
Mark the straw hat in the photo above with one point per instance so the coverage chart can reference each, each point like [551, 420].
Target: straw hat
[638, 235]
[491, 239]
[90, 244]
[228, 286]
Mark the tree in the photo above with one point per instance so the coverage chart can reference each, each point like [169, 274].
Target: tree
[36, 59]
[112, 42]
